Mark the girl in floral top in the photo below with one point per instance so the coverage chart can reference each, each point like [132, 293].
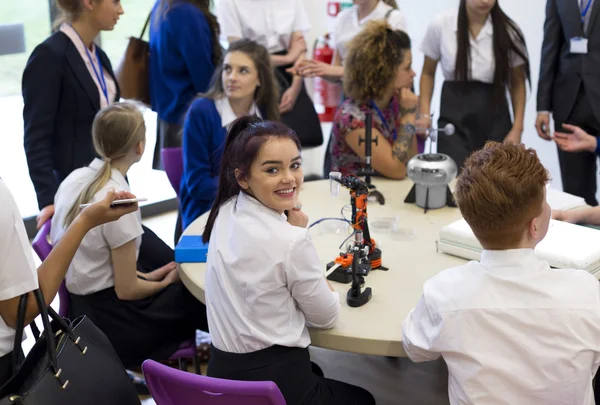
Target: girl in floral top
[377, 80]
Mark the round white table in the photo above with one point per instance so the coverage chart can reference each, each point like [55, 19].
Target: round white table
[409, 253]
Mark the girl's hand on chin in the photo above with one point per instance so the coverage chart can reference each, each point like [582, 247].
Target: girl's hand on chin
[297, 217]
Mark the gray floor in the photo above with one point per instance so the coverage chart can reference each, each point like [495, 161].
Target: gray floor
[391, 381]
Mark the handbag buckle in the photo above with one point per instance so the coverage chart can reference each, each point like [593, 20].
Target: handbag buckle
[57, 376]
[14, 398]
[84, 350]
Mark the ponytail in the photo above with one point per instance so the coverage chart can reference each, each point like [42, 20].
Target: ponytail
[100, 179]
[246, 137]
[116, 130]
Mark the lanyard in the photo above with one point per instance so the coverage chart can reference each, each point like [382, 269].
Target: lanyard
[584, 10]
[394, 132]
[99, 73]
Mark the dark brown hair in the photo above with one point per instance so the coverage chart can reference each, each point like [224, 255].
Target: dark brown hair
[508, 38]
[204, 6]
[267, 94]
[373, 59]
[245, 139]
[501, 189]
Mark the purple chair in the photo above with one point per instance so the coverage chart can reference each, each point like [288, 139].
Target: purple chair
[169, 386]
[41, 245]
[172, 159]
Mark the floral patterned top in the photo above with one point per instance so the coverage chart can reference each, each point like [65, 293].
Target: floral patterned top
[350, 116]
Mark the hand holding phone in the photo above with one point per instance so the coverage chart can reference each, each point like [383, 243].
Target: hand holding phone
[120, 202]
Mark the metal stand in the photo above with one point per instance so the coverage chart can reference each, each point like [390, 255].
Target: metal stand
[368, 171]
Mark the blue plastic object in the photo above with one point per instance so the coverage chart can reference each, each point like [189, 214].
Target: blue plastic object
[191, 249]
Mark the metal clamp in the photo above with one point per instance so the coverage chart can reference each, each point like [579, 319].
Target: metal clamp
[76, 343]
[57, 376]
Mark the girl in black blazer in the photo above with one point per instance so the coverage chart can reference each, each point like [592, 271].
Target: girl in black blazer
[65, 83]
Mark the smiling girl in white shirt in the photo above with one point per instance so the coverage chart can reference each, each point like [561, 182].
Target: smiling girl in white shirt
[264, 280]
[482, 54]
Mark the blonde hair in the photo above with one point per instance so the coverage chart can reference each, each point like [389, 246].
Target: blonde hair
[70, 10]
[116, 130]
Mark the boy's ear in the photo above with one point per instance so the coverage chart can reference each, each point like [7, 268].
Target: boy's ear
[533, 228]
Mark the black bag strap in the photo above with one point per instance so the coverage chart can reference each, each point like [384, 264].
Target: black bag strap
[47, 334]
[389, 12]
[17, 350]
[145, 25]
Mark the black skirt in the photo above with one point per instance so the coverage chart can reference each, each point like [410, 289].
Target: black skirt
[152, 328]
[291, 369]
[303, 118]
[478, 115]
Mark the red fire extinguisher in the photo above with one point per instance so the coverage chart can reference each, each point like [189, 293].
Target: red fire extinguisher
[326, 94]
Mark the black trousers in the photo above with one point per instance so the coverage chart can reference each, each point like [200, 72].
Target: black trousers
[578, 169]
[151, 328]
[300, 382]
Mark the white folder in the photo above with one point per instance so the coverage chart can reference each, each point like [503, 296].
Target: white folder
[565, 246]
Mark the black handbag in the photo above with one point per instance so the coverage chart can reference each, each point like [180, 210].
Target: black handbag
[70, 363]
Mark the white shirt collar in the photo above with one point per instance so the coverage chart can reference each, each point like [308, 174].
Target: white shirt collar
[115, 174]
[226, 112]
[380, 8]
[246, 202]
[77, 41]
[520, 259]
[486, 30]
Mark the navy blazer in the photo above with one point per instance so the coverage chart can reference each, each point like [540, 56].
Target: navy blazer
[61, 100]
[561, 72]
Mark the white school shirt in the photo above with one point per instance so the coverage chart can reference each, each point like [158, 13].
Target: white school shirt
[18, 274]
[440, 44]
[270, 23]
[264, 280]
[92, 64]
[347, 25]
[511, 329]
[226, 112]
[91, 269]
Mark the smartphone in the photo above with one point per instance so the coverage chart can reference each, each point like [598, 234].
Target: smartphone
[120, 202]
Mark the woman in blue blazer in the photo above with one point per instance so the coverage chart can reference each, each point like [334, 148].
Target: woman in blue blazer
[66, 81]
[243, 84]
[184, 50]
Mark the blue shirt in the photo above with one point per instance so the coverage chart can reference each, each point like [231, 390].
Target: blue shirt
[180, 59]
[203, 142]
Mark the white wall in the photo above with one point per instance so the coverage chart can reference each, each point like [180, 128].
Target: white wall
[528, 14]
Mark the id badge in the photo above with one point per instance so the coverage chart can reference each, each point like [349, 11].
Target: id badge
[579, 45]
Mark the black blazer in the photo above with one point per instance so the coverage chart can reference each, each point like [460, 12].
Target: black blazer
[561, 73]
[61, 100]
